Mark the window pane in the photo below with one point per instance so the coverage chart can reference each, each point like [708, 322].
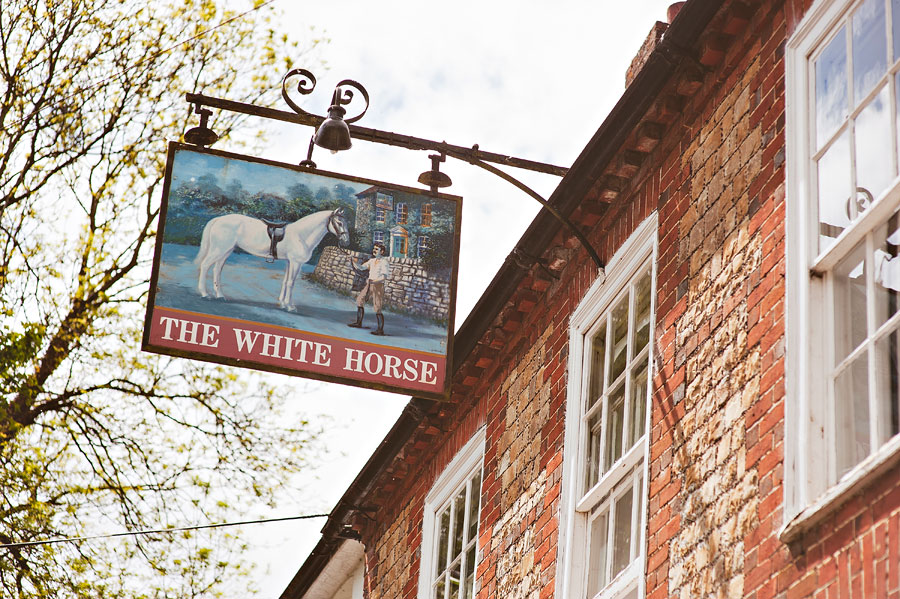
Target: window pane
[597, 555]
[474, 504]
[639, 494]
[439, 589]
[453, 586]
[592, 466]
[874, 158]
[834, 191]
[887, 379]
[459, 515]
[469, 588]
[642, 313]
[622, 534]
[897, 91]
[895, 12]
[851, 415]
[869, 47]
[831, 88]
[616, 423]
[849, 303]
[619, 338]
[886, 267]
[638, 402]
[598, 362]
[442, 545]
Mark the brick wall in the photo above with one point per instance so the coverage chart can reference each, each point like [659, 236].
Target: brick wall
[854, 554]
[522, 480]
[717, 422]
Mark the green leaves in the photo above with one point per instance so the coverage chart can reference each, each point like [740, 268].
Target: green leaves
[17, 351]
[95, 435]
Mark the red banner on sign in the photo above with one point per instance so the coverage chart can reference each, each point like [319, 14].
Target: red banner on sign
[282, 349]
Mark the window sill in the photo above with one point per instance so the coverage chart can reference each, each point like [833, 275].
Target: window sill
[623, 582]
[854, 481]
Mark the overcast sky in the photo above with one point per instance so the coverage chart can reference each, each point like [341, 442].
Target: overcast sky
[530, 79]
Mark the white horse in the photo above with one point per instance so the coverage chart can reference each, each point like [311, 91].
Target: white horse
[224, 233]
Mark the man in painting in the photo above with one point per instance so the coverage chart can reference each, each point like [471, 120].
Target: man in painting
[379, 268]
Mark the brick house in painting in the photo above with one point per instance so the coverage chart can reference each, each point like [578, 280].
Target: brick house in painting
[405, 223]
[716, 413]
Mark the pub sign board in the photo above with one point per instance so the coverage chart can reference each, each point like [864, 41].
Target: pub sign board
[304, 272]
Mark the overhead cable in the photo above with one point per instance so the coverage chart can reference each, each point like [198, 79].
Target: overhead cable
[155, 531]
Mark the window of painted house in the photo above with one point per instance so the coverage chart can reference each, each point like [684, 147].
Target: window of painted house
[843, 240]
[607, 421]
[378, 237]
[402, 213]
[383, 204]
[399, 245]
[450, 528]
[426, 215]
[422, 246]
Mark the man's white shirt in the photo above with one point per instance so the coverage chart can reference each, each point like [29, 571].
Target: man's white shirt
[379, 269]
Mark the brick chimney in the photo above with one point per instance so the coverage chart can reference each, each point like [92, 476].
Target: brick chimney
[656, 34]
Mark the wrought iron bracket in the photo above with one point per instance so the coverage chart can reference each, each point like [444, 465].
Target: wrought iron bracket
[374, 135]
[562, 218]
[341, 97]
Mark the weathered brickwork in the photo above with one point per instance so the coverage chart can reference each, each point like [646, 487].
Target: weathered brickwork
[717, 424]
[391, 562]
[393, 534]
[854, 554]
[521, 492]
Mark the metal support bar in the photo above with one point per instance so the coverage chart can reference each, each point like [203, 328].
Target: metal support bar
[471, 155]
[550, 208]
[376, 136]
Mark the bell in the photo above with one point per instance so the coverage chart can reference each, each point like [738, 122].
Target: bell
[201, 136]
[334, 134]
[435, 179]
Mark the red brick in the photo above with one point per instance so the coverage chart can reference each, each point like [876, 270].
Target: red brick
[894, 553]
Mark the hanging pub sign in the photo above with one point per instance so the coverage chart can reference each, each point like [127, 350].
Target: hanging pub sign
[304, 272]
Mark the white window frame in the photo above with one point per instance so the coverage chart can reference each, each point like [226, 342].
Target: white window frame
[811, 489]
[423, 244]
[576, 509]
[401, 213]
[456, 474]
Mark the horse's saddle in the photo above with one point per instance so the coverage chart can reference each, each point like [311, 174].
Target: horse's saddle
[275, 231]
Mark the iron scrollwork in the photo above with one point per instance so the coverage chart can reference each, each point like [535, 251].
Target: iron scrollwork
[345, 96]
[305, 86]
[340, 98]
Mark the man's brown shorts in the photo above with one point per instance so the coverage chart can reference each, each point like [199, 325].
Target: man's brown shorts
[377, 290]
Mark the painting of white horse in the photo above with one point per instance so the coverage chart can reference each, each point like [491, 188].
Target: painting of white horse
[223, 234]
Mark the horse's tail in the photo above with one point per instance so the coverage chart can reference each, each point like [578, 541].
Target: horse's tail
[204, 244]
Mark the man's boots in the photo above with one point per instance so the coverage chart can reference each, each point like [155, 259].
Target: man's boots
[359, 316]
[380, 329]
